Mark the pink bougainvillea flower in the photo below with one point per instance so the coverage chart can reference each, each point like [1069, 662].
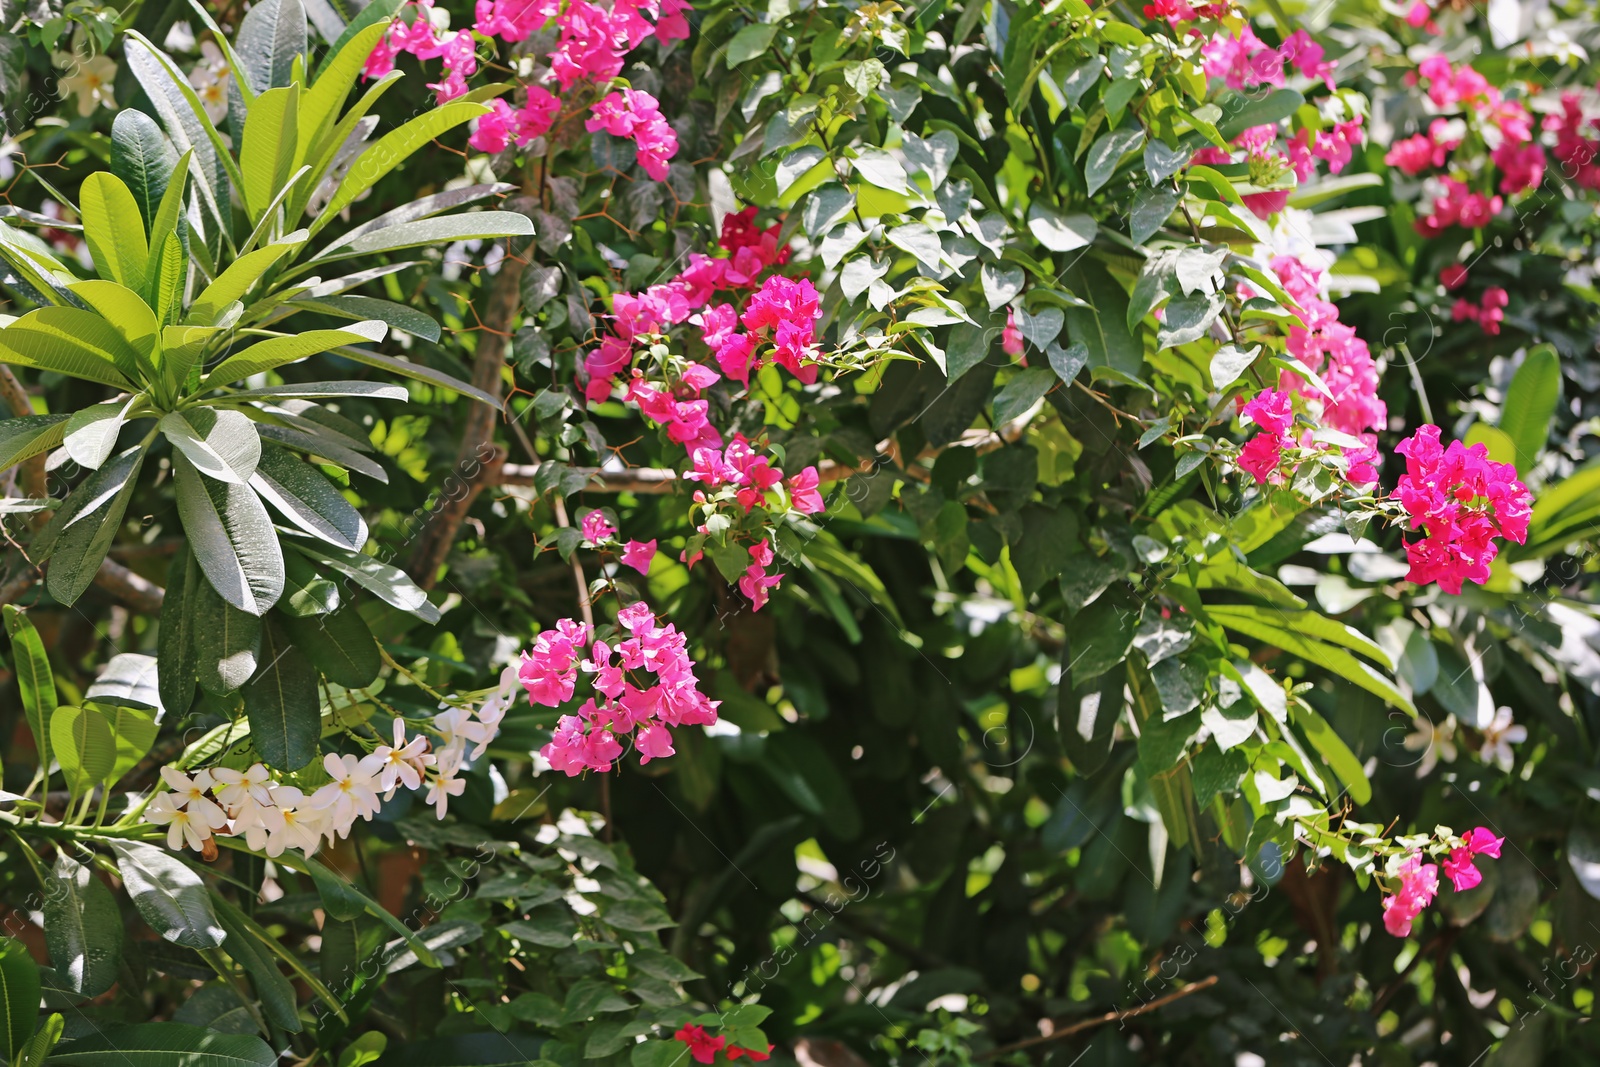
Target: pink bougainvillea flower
[1481, 842]
[804, 494]
[495, 130]
[1454, 276]
[1271, 410]
[1259, 457]
[702, 1046]
[1463, 501]
[1419, 884]
[1011, 337]
[597, 528]
[639, 555]
[1459, 869]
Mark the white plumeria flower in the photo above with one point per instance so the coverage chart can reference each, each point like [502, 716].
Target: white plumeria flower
[493, 710]
[445, 785]
[1436, 741]
[210, 81]
[257, 822]
[189, 826]
[302, 825]
[353, 791]
[402, 763]
[190, 794]
[1498, 737]
[237, 785]
[90, 79]
[459, 728]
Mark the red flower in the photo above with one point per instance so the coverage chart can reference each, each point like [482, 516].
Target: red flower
[702, 1046]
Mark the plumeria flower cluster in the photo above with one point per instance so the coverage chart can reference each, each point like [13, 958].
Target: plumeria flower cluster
[1417, 883]
[592, 45]
[642, 685]
[1462, 501]
[273, 816]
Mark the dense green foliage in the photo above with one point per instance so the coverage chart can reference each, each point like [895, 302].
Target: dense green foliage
[1057, 711]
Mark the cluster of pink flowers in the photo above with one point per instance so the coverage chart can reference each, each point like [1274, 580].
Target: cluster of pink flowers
[1574, 148]
[635, 113]
[1507, 129]
[1176, 11]
[1424, 151]
[1463, 500]
[782, 311]
[751, 475]
[598, 529]
[592, 45]
[1273, 411]
[498, 129]
[703, 1047]
[1300, 153]
[1458, 205]
[1419, 882]
[1243, 60]
[1488, 313]
[645, 684]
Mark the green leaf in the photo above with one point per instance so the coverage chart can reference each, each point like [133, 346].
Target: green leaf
[36, 683]
[220, 443]
[133, 730]
[1500, 446]
[169, 259]
[19, 995]
[31, 435]
[338, 644]
[1060, 233]
[275, 992]
[79, 536]
[1021, 393]
[364, 308]
[82, 743]
[232, 537]
[175, 640]
[304, 496]
[269, 146]
[467, 226]
[1103, 326]
[1106, 153]
[82, 928]
[390, 151]
[281, 703]
[751, 41]
[163, 1045]
[320, 104]
[142, 159]
[275, 352]
[1152, 207]
[1241, 112]
[1333, 749]
[1309, 196]
[130, 318]
[418, 372]
[185, 120]
[114, 230]
[305, 592]
[1340, 663]
[391, 584]
[272, 36]
[169, 894]
[70, 341]
[1101, 634]
[226, 641]
[43, 1042]
[1310, 623]
[1530, 402]
[242, 273]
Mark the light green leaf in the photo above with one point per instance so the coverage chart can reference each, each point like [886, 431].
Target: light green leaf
[163, 1045]
[751, 41]
[114, 230]
[19, 996]
[1530, 402]
[1333, 749]
[269, 147]
[82, 742]
[35, 680]
[241, 274]
[31, 435]
[276, 352]
[70, 341]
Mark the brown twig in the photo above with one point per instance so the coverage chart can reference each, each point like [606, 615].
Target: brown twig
[133, 590]
[477, 438]
[1099, 1020]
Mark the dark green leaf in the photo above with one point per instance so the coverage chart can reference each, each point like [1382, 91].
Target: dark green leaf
[82, 928]
[338, 644]
[19, 995]
[281, 703]
[163, 1045]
